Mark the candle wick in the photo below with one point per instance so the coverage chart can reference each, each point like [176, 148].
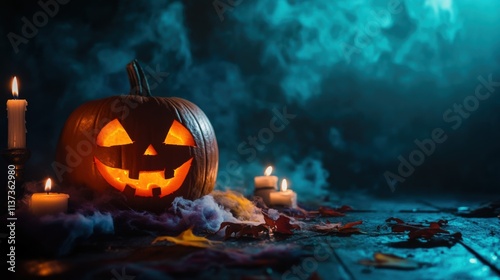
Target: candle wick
[47, 192]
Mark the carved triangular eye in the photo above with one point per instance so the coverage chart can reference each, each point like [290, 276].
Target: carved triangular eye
[113, 134]
[179, 135]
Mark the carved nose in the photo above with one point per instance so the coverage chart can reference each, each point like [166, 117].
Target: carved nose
[150, 151]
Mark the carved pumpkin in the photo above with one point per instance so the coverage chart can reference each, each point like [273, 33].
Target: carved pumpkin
[152, 149]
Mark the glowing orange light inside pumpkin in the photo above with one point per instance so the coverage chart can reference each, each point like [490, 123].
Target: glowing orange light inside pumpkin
[150, 151]
[113, 134]
[15, 89]
[148, 180]
[268, 171]
[179, 135]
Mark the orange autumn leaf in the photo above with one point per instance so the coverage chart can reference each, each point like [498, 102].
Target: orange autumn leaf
[187, 238]
[382, 260]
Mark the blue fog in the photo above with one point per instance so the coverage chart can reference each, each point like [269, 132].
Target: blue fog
[363, 79]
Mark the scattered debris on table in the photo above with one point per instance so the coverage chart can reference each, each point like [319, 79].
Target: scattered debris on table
[381, 260]
[187, 238]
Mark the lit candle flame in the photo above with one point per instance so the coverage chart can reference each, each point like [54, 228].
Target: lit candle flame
[268, 171]
[284, 185]
[48, 185]
[15, 89]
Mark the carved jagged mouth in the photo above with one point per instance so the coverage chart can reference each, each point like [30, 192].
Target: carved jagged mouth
[119, 178]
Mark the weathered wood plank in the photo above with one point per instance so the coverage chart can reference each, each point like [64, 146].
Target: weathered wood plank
[483, 238]
[323, 260]
[440, 262]
[327, 257]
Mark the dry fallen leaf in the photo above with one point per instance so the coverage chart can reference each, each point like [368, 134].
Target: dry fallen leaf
[243, 229]
[416, 231]
[338, 228]
[329, 212]
[326, 209]
[187, 238]
[426, 233]
[281, 225]
[327, 227]
[382, 260]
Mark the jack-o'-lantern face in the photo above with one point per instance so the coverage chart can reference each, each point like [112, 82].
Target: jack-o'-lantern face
[147, 161]
[150, 149]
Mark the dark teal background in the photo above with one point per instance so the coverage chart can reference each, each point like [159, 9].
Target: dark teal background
[365, 79]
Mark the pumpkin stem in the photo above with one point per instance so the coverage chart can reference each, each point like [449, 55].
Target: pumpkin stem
[138, 82]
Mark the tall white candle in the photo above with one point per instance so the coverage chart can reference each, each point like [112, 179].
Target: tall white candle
[16, 109]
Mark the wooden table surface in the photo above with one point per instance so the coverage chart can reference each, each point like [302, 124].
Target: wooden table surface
[317, 256]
